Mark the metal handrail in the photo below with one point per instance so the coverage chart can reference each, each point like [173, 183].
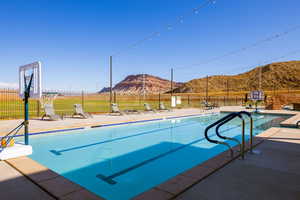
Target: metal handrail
[251, 129]
[229, 138]
[216, 123]
[225, 120]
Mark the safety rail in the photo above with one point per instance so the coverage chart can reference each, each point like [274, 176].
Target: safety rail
[225, 120]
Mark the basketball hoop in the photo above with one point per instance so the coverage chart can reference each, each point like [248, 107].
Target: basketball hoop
[47, 98]
[30, 86]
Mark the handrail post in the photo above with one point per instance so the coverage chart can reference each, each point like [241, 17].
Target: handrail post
[251, 135]
[243, 139]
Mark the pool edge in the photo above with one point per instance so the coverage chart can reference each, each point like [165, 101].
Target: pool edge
[167, 190]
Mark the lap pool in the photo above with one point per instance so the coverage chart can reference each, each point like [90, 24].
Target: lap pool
[120, 162]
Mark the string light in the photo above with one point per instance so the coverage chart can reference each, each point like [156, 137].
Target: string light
[255, 44]
[169, 27]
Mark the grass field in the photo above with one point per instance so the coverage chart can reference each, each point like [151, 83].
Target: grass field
[11, 106]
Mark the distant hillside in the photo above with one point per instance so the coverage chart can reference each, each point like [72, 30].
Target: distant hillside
[133, 84]
[281, 75]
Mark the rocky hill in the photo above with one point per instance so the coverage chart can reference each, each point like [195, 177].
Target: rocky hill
[281, 75]
[134, 84]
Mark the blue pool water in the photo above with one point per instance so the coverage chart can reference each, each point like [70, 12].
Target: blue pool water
[121, 162]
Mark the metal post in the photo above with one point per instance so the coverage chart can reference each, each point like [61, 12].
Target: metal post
[251, 134]
[260, 87]
[206, 91]
[159, 99]
[144, 87]
[110, 81]
[227, 85]
[172, 82]
[82, 99]
[26, 118]
[38, 108]
[243, 139]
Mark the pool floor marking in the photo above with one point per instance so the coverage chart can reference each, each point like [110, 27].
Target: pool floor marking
[109, 179]
[59, 152]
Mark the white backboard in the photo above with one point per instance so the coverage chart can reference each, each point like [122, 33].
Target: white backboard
[25, 72]
[257, 95]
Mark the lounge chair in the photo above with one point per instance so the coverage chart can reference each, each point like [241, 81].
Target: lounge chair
[49, 112]
[162, 107]
[132, 111]
[115, 109]
[78, 111]
[208, 106]
[148, 108]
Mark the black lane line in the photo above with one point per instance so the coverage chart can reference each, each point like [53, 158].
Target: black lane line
[109, 179]
[59, 152]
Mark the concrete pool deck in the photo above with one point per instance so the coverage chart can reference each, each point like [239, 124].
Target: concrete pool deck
[37, 125]
[273, 174]
[42, 182]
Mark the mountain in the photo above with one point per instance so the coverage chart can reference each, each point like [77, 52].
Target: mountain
[134, 84]
[280, 75]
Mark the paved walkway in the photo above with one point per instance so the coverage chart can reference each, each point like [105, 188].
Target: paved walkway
[13, 185]
[273, 174]
[42, 125]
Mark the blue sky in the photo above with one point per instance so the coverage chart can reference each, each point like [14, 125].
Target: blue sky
[74, 39]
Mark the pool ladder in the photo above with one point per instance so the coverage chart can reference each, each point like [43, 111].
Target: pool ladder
[225, 120]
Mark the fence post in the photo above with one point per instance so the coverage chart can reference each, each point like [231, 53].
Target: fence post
[82, 99]
[158, 99]
[188, 99]
[38, 111]
[115, 97]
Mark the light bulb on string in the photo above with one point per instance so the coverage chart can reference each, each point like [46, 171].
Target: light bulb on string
[181, 19]
[196, 11]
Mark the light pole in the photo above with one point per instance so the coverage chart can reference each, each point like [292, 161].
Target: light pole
[110, 81]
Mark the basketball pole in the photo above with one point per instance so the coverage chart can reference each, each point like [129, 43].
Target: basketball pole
[26, 109]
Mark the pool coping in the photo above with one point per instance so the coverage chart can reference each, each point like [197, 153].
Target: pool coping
[60, 187]
[291, 122]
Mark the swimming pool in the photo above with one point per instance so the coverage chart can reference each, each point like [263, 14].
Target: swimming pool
[120, 162]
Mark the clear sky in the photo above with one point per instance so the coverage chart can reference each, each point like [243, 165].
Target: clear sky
[74, 39]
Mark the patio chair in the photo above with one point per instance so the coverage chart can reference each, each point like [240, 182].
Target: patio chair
[50, 113]
[132, 111]
[78, 111]
[148, 108]
[162, 107]
[115, 109]
[206, 105]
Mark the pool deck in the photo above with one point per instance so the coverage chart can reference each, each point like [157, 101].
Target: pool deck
[277, 167]
[272, 174]
[37, 125]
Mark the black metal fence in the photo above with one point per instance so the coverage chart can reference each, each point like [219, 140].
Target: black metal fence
[11, 105]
